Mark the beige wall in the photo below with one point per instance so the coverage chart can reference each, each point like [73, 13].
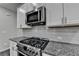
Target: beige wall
[8, 29]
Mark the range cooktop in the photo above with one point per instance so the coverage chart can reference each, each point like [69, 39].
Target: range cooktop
[35, 42]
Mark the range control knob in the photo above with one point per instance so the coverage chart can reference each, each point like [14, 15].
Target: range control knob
[30, 51]
[36, 53]
[33, 52]
[25, 48]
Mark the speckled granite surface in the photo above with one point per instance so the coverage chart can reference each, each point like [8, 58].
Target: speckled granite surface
[62, 49]
[17, 39]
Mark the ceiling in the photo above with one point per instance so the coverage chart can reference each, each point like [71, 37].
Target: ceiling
[11, 6]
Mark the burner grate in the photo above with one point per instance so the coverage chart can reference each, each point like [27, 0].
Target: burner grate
[35, 42]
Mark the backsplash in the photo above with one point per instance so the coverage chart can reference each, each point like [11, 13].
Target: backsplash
[70, 34]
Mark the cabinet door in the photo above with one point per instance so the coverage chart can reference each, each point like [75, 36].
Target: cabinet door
[13, 48]
[27, 7]
[21, 17]
[71, 12]
[54, 14]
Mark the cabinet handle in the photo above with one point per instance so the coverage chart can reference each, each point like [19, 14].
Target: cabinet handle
[64, 20]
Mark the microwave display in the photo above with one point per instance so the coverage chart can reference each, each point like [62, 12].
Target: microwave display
[32, 17]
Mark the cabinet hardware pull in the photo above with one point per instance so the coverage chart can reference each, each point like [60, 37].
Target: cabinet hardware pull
[64, 20]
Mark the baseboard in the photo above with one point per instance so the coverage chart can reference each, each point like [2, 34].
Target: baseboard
[4, 50]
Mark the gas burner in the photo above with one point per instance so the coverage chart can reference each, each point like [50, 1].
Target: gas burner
[35, 42]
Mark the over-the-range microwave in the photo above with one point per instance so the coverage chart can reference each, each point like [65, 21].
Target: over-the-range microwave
[34, 18]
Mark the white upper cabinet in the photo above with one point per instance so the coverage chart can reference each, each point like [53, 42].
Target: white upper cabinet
[27, 7]
[40, 4]
[21, 17]
[71, 13]
[54, 14]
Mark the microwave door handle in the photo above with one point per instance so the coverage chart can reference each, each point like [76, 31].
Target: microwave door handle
[38, 15]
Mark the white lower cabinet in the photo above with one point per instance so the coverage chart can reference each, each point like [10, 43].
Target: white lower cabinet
[13, 48]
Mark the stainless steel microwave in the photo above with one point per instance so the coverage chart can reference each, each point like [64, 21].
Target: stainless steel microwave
[34, 18]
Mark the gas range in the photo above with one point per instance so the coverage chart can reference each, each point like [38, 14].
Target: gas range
[32, 46]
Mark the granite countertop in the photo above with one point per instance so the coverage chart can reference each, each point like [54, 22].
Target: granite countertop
[55, 48]
[17, 39]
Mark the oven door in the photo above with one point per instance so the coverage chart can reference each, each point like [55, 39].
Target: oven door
[21, 53]
[30, 51]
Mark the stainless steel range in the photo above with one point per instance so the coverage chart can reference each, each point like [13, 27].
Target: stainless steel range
[32, 46]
